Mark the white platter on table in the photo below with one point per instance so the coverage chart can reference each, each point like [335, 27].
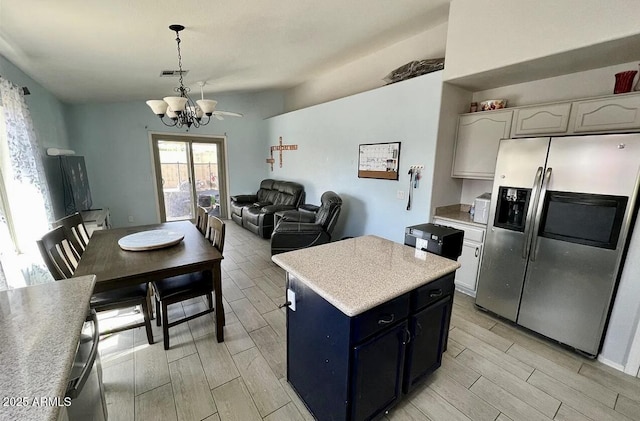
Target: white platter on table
[150, 240]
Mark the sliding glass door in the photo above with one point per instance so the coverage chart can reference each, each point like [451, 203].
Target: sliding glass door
[189, 173]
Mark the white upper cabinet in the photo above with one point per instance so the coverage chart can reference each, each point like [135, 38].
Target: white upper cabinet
[477, 143]
[541, 119]
[620, 112]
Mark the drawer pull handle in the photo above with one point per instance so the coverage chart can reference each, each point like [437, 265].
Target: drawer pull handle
[387, 321]
[477, 251]
[435, 293]
[407, 339]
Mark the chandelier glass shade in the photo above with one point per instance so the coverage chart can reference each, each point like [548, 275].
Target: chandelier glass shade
[182, 110]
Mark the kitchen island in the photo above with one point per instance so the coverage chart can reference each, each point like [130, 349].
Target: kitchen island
[367, 320]
[40, 329]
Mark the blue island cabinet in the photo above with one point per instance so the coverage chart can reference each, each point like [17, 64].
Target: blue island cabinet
[357, 368]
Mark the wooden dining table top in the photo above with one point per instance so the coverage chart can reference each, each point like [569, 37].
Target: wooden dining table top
[115, 268]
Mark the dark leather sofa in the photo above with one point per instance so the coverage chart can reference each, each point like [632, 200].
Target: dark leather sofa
[309, 226]
[255, 212]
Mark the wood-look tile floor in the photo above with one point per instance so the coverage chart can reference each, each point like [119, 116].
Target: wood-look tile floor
[492, 370]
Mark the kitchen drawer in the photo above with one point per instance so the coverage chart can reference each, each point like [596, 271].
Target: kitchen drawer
[471, 233]
[543, 119]
[380, 317]
[432, 292]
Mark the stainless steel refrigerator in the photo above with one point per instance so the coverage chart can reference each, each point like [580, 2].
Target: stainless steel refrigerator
[561, 211]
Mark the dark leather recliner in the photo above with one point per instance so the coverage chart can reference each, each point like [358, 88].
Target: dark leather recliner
[255, 211]
[306, 228]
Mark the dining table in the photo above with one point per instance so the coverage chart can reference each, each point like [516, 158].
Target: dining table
[116, 268]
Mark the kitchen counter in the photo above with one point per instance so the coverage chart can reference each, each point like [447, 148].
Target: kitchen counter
[40, 329]
[457, 213]
[358, 274]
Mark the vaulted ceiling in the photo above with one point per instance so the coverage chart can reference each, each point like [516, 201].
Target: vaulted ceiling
[99, 51]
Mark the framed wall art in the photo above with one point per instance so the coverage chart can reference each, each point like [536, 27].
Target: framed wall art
[379, 160]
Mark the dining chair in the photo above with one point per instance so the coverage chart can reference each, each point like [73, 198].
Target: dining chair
[201, 219]
[62, 259]
[184, 287]
[76, 231]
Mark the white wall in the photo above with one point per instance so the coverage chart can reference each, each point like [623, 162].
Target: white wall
[446, 190]
[367, 72]
[585, 84]
[114, 138]
[548, 37]
[328, 136]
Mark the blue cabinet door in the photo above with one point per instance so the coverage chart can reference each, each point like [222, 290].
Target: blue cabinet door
[377, 369]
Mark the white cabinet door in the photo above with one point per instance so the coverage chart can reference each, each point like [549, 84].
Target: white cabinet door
[607, 114]
[477, 143]
[467, 274]
[543, 119]
[469, 260]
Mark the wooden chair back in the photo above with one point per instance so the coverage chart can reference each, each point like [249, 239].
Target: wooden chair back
[58, 253]
[215, 232]
[76, 231]
[201, 219]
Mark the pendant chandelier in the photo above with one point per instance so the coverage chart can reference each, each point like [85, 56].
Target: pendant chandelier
[182, 110]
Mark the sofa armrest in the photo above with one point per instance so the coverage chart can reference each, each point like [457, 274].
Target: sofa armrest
[269, 209]
[286, 227]
[296, 216]
[245, 198]
[309, 208]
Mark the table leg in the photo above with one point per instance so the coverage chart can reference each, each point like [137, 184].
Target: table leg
[219, 312]
[150, 303]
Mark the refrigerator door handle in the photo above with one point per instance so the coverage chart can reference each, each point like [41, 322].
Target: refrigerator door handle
[536, 224]
[532, 206]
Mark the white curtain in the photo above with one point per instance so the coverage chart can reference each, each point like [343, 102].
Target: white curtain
[25, 205]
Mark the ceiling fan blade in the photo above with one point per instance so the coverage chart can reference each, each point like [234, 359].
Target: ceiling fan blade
[227, 114]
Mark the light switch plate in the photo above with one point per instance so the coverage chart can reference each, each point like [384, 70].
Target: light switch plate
[291, 297]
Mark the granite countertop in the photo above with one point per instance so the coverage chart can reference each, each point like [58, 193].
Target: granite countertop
[457, 213]
[39, 333]
[358, 274]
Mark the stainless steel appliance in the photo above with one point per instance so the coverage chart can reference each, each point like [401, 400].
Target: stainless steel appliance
[85, 388]
[561, 211]
[481, 206]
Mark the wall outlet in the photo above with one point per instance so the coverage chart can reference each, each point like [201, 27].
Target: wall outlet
[291, 297]
[400, 195]
[130, 218]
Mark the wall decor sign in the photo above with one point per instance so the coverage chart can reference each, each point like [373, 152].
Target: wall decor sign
[280, 147]
[379, 160]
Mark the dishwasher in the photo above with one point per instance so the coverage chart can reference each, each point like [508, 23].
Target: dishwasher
[85, 388]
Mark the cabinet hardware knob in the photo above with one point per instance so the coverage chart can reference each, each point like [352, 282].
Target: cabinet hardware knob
[388, 320]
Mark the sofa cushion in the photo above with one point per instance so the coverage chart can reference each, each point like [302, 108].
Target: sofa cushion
[252, 214]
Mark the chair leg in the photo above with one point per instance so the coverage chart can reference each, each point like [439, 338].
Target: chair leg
[158, 321]
[147, 320]
[165, 325]
[210, 300]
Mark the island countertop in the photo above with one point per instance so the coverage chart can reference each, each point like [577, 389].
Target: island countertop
[40, 328]
[360, 273]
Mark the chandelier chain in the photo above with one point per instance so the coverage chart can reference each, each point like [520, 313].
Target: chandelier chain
[181, 89]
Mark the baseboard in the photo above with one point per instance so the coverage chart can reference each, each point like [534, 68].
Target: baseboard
[465, 291]
[610, 363]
